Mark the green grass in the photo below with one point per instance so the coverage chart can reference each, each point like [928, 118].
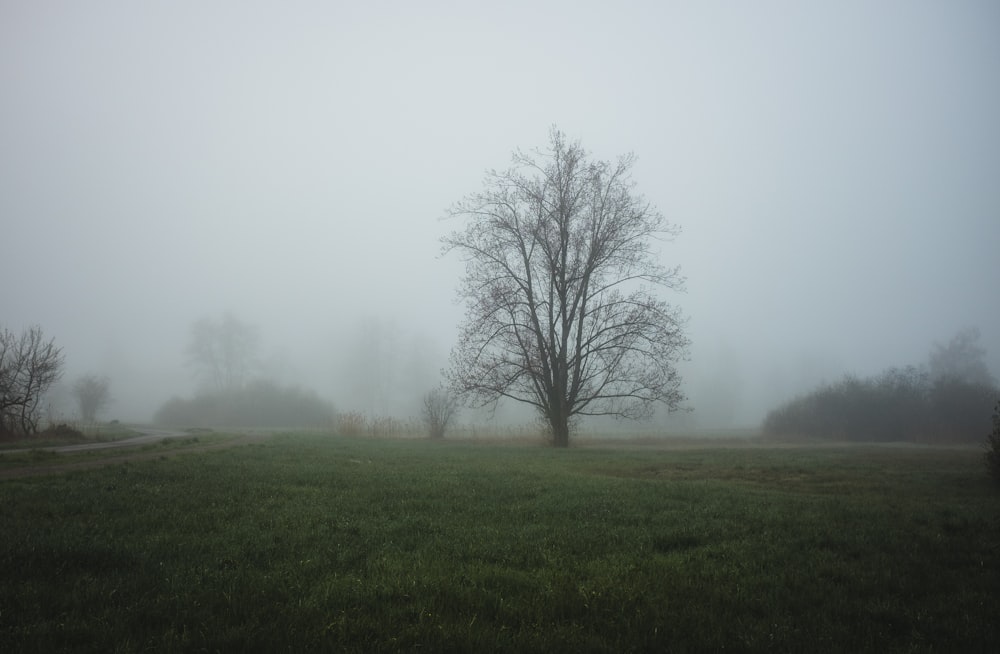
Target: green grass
[310, 543]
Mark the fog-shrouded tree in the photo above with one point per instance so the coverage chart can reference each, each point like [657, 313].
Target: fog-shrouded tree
[562, 291]
[29, 365]
[223, 352]
[93, 394]
[373, 362]
[438, 410]
[963, 359]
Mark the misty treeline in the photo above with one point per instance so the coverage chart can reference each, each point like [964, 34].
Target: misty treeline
[223, 355]
[234, 391]
[946, 400]
[259, 403]
[29, 365]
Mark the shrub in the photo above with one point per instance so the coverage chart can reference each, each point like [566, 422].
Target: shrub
[62, 431]
[439, 408]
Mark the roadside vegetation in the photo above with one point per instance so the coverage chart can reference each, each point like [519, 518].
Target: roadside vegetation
[320, 543]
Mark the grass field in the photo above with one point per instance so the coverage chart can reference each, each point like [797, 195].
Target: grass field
[313, 543]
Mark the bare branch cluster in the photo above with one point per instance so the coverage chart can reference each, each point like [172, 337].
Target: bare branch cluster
[29, 365]
[560, 291]
[439, 408]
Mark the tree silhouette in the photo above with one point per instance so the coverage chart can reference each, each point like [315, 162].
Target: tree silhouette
[560, 291]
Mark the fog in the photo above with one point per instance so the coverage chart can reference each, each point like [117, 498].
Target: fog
[835, 168]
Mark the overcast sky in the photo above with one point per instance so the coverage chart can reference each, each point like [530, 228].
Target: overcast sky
[834, 166]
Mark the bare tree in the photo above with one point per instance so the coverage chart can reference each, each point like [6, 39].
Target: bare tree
[223, 352]
[559, 287]
[29, 365]
[92, 396]
[439, 408]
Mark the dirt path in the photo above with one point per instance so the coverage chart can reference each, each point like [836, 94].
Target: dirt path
[148, 436]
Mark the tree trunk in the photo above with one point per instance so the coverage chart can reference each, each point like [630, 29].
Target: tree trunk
[560, 430]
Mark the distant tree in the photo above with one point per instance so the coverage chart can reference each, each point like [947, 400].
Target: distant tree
[92, 395]
[559, 287]
[29, 365]
[962, 359]
[439, 407]
[223, 352]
